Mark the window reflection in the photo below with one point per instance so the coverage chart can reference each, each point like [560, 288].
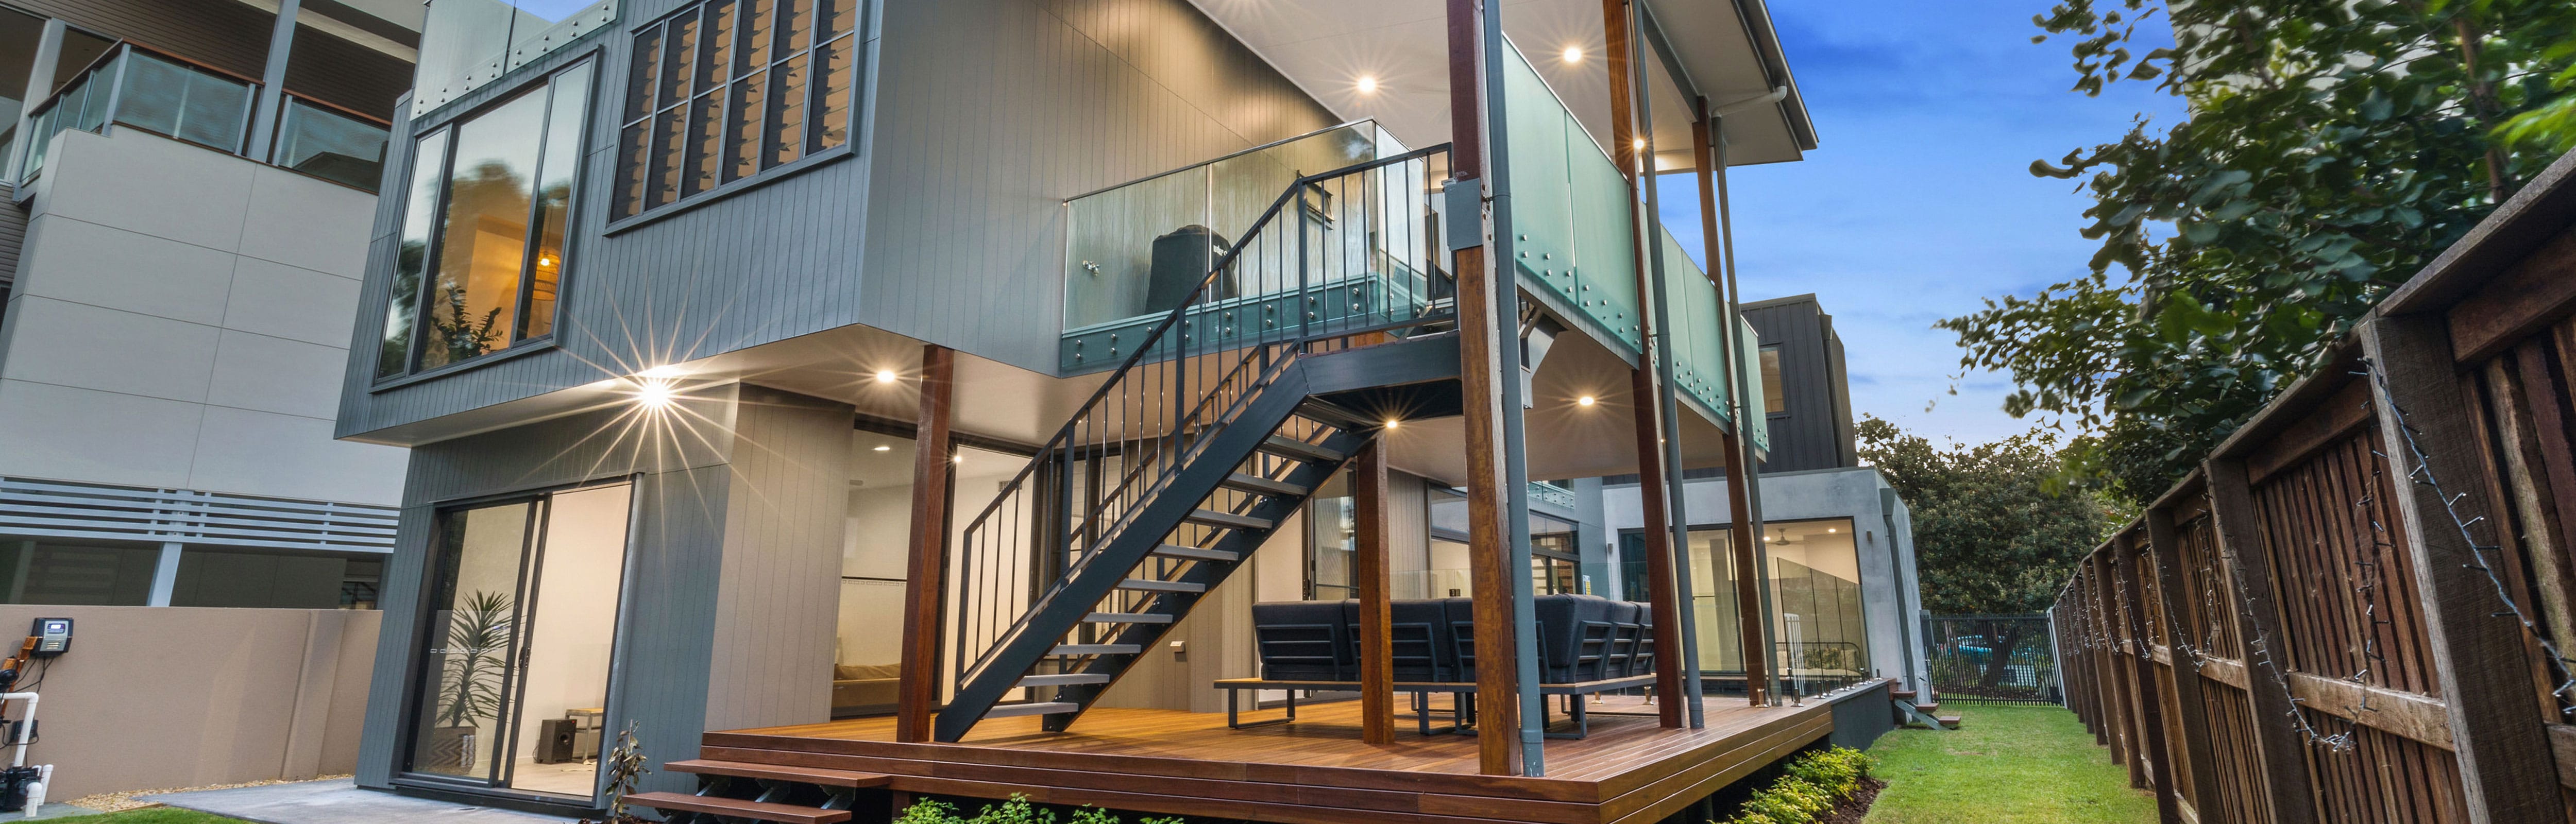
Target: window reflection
[1820, 636]
[472, 305]
[487, 226]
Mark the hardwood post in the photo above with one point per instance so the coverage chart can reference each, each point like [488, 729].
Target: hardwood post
[1483, 280]
[1652, 495]
[1739, 504]
[2258, 620]
[1372, 568]
[2165, 553]
[2476, 642]
[2153, 748]
[2118, 675]
[918, 689]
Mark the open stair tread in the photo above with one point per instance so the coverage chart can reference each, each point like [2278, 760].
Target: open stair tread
[779, 772]
[1033, 708]
[1064, 679]
[1197, 553]
[738, 808]
[1229, 520]
[1151, 585]
[1293, 448]
[1097, 649]
[1265, 486]
[1127, 618]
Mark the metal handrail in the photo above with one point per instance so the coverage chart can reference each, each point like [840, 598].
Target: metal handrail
[1172, 442]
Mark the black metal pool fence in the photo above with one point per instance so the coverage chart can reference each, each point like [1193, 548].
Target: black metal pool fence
[2008, 659]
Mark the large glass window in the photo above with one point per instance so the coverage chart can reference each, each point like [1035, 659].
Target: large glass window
[1775, 399]
[482, 252]
[1821, 638]
[514, 662]
[728, 88]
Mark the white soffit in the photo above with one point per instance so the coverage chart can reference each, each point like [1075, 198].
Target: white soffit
[1328, 46]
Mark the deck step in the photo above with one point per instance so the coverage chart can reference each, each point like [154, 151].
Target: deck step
[738, 808]
[1928, 709]
[1097, 649]
[1151, 585]
[1038, 708]
[1901, 695]
[1258, 484]
[1229, 520]
[1950, 721]
[1127, 618]
[1064, 679]
[778, 772]
[1301, 450]
[1197, 553]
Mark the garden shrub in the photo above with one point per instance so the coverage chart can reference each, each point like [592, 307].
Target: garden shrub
[1018, 810]
[1814, 783]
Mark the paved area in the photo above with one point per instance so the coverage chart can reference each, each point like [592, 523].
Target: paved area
[338, 802]
[50, 810]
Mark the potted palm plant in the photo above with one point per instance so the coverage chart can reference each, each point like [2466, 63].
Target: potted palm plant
[474, 655]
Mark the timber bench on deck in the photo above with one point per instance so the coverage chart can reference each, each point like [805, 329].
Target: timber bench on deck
[1460, 709]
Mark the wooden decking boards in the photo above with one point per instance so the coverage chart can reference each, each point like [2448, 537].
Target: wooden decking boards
[1315, 771]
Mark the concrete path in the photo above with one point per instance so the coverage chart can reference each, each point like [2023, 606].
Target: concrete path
[339, 802]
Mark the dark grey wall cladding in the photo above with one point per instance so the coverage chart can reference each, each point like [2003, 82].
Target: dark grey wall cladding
[681, 489]
[728, 610]
[982, 116]
[1814, 433]
[1861, 718]
[991, 112]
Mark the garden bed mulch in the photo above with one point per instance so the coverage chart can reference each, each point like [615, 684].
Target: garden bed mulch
[1854, 806]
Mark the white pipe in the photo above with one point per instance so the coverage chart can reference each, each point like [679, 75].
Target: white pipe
[27, 727]
[1775, 95]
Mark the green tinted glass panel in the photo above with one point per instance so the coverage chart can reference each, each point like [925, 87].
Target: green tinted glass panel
[1542, 204]
[1604, 246]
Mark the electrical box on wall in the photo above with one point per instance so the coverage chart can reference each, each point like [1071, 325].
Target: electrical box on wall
[53, 636]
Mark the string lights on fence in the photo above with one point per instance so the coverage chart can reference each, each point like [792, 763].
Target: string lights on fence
[2423, 475]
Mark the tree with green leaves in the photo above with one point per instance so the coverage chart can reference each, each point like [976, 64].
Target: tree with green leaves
[1996, 530]
[2332, 147]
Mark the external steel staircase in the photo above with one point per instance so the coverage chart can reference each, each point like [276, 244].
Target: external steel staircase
[1219, 424]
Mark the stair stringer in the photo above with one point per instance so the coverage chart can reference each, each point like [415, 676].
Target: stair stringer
[1179, 604]
[1059, 612]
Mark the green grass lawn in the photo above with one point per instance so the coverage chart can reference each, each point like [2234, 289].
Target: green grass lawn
[155, 815]
[2005, 765]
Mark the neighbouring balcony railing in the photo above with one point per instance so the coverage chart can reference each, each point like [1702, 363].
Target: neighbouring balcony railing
[139, 87]
[329, 142]
[1551, 494]
[1136, 251]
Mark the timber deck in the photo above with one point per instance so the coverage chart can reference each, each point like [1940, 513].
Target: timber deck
[1314, 771]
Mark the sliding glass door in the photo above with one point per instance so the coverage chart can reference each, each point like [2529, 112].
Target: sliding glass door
[514, 655]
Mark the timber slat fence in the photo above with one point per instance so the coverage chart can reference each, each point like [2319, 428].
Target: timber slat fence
[2357, 608]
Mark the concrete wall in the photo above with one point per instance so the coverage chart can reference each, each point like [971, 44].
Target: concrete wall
[160, 697]
[180, 319]
[1891, 598]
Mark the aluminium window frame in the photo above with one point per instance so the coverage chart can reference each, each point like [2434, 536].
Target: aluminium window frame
[863, 28]
[573, 210]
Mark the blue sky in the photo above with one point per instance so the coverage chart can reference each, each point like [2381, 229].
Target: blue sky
[1918, 201]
